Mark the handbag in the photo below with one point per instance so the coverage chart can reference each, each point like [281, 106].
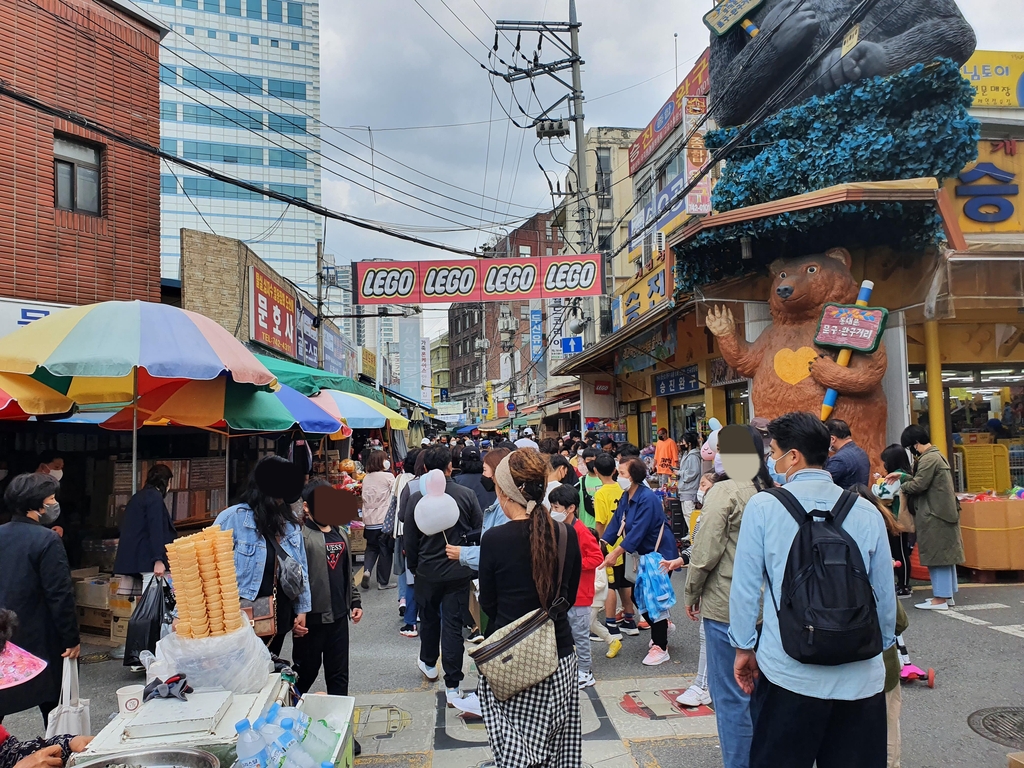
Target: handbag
[262, 612]
[71, 715]
[525, 652]
[292, 577]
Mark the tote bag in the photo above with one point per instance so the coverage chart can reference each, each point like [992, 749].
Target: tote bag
[71, 715]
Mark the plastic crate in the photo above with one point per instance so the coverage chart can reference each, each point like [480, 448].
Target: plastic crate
[987, 468]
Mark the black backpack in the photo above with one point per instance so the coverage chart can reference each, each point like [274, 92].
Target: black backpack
[827, 615]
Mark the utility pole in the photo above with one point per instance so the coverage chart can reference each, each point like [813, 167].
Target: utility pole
[583, 189]
[320, 304]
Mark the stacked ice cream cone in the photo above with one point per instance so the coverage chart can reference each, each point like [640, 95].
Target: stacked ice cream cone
[205, 587]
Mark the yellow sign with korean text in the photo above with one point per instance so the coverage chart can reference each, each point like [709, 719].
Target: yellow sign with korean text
[987, 194]
[369, 364]
[999, 78]
[646, 292]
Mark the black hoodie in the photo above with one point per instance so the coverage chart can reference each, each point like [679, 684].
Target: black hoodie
[425, 555]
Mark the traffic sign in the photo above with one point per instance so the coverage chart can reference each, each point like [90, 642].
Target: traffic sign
[511, 407]
[572, 345]
[444, 395]
[483, 411]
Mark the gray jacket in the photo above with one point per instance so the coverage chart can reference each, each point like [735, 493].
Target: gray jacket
[320, 580]
[689, 475]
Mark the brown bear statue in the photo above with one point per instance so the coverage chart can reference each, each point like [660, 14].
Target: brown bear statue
[789, 372]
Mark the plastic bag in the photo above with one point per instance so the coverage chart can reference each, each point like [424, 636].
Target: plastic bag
[237, 662]
[71, 715]
[145, 627]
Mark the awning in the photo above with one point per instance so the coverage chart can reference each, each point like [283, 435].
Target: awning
[309, 381]
[467, 429]
[494, 425]
[530, 420]
[570, 408]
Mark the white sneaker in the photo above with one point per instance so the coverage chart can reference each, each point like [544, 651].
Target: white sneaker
[428, 672]
[928, 605]
[693, 696]
[453, 695]
[586, 680]
[655, 656]
[951, 602]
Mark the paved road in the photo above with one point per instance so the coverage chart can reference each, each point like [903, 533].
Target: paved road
[977, 653]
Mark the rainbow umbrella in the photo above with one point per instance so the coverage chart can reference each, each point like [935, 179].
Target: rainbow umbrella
[23, 396]
[222, 404]
[357, 411]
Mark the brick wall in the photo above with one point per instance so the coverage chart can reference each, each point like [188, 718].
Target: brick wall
[97, 61]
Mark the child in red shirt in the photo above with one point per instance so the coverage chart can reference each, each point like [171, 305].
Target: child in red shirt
[563, 502]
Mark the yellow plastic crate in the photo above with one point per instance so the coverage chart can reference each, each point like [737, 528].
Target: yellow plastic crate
[987, 468]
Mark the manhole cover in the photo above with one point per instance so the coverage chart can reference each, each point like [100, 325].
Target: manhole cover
[1003, 725]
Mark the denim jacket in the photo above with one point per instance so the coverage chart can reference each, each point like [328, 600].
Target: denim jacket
[251, 553]
[493, 517]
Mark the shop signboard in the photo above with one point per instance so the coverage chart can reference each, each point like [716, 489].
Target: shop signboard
[307, 337]
[515, 279]
[645, 293]
[847, 326]
[677, 382]
[17, 313]
[988, 193]
[721, 374]
[536, 334]
[340, 354]
[409, 357]
[426, 390]
[655, 346]
[368, 364]
[696, 83]
[451, 408]
[998, 77]
[602, 387]
[271, 314]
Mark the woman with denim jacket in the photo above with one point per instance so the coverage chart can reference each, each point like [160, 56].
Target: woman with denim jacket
[264, 517]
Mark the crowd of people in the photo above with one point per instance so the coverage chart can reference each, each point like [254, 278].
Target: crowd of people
[570, 527]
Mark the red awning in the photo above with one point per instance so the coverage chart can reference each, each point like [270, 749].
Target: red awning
[570, 408]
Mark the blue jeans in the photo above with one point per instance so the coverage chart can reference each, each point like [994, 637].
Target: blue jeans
[943, 580]
[732, 705]
[405, 589]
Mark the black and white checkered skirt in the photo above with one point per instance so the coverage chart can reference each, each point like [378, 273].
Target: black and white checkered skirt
[541, 725]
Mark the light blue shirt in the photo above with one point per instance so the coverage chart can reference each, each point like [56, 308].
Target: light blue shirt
[766, 535]
[493, 517]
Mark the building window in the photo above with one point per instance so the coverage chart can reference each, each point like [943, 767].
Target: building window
[604, 178]
[274, 11]
[604, 240]
[295, 46]
[254, 40]
[292, 190]
[223, 153]
[233, 7]
[191, 4]
[76, 176]
[254, 9]
[547, 229]
[169, 145]
[232, 37]
[286, 123]
[211, 5]
[168, 75]
[550, 251]
[295, 14]
[197, 114]
[212, 34]
[168, 185]
[221, 81]
[201, 186]
[168, 110]
[286, 158]
[287, 89]
[275, 44]
[524, 251]
[190, 30]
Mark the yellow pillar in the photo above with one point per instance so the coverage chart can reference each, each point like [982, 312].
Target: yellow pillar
[936, 397]
[715, 404]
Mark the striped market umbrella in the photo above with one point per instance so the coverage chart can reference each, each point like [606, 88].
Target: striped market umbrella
[359, 412]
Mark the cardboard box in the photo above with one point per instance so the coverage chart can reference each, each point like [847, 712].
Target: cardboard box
[1016, 760]
[119, 604]
[94, 592]
[993, 535]
[119, 628]
[976, 438]
[94, 620]
[85, 573]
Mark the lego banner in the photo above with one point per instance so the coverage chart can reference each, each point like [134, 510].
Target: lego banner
[517, 279]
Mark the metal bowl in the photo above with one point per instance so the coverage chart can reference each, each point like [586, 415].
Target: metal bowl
[152, 758]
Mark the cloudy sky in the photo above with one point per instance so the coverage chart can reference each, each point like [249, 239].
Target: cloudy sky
[404, 64]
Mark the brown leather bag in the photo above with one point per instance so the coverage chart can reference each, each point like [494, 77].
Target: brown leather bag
[262, 611]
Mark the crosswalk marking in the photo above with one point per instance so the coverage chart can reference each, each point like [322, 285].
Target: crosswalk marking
[981, 607]
[1013, 629]
[966, 618]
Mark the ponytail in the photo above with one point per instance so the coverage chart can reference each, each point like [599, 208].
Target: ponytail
[529, 472]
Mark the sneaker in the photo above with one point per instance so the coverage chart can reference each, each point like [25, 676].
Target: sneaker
[928, 605]
[594, 638]
[642, 624]
[136, 668]
[613, 648]
[365, 583]
[475, 635]
[409, 630]
[693, 696]
[951, 602]
[655, 656]
[586, 680]
[904, 592]
[629, 627]
[452, 695]
[428, 672]
[386, 586]
[671, 627]
[401, 606]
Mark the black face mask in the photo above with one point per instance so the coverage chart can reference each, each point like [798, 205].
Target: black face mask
[487, 483]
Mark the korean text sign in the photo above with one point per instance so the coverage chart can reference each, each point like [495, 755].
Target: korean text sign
[988, 194]
[432, 282]
[998, 77]
[845, 326]
[696, 83]
[271, 313]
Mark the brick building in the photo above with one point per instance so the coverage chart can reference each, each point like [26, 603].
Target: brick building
[481, 371]
[79, 213]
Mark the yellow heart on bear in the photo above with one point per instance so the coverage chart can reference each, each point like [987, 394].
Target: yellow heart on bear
[792, 367]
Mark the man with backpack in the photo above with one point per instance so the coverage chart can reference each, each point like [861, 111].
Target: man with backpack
[829, 611]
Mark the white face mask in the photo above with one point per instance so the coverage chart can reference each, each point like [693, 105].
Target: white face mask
[387, 465]
[625, 483]
[700, 497]
[579, 452]
[559, 517]
[57, 474]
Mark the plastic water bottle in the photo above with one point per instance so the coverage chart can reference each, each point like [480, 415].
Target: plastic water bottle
[270, 734]
[317, 739]
[292, 753]
[251, 748]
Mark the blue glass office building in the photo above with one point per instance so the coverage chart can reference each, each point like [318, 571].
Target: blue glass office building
[240, 92]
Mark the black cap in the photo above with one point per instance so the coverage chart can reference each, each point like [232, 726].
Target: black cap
[470, 454]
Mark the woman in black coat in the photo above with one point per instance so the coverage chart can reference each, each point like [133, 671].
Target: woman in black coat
[35, 583]
[472, 477]
[146, 528]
